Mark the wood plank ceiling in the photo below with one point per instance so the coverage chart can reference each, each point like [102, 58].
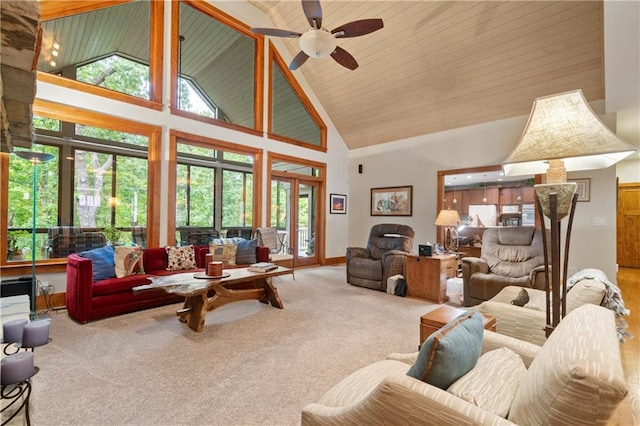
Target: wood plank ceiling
[439, 65]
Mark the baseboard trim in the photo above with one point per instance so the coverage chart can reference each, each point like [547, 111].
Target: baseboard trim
[57, 300]
[335, 260]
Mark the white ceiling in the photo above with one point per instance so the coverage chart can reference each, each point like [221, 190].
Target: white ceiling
[439, 65]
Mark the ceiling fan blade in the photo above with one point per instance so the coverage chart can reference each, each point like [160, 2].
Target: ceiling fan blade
[313, 12]
[275, 32]
[300, 59]
[344, 58]
[358, 28]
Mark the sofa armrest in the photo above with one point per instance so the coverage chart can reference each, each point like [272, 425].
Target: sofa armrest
[262, 254]
[527, 351]
[474, 264]
[536, 276]
[79, 287]
[400, 399]
[393, 263]
[471, 265]
[516, 321]
[409, 358]
[357, 252]
[352, 253]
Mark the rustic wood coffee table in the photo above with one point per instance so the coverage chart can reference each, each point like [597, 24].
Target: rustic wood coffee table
[194, 287]
[436, 319]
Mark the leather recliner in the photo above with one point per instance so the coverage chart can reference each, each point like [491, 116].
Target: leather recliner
[384, 256]
[510, 256]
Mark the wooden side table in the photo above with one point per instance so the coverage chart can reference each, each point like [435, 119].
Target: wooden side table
[436, 319]
[427, 276]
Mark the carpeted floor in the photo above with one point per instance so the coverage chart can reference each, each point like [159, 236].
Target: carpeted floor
[252, 365]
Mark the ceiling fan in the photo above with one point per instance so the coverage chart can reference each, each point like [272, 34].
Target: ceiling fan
[318, 42]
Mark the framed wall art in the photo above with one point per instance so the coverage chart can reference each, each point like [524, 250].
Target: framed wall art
[392, 201]
[584, 188]
[337, 204]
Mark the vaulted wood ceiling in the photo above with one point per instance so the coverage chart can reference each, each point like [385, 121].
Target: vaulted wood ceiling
[435, 66]
[439, 65]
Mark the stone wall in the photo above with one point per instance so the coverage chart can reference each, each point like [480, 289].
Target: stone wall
[19, 24]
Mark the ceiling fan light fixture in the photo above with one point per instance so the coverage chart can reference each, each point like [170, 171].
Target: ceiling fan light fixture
[317, 43]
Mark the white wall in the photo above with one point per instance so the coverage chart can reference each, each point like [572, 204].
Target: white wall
[416, 162]
[622, 77]
[336, 156]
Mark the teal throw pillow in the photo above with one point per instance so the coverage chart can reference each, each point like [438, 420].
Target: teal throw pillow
[450, 352]
[102, 262]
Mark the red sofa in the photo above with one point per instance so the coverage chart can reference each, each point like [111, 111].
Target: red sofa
[88, 300]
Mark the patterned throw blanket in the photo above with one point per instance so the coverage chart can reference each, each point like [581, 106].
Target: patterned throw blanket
[612, 298]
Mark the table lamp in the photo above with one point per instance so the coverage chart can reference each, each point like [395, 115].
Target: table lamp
[562, 134]
[449, 219]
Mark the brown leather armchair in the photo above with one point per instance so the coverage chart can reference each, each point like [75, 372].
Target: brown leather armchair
[384, 256]
[510, 256]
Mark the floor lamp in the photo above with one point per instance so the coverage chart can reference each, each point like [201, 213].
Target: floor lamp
[562, 134]
[34, 158]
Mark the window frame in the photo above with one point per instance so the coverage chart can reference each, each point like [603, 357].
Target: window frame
[258, 72]
[176, 137]
[274, 56]
[59, 9]
[75, 115]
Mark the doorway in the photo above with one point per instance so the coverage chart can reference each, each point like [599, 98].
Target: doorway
[628, 225]
[294, 213]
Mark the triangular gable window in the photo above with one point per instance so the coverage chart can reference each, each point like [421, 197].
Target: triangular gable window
[292, 117]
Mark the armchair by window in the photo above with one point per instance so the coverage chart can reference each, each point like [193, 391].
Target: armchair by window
[198, 236]
[384, 256]
[268, 237]
[511, 256]
[139, 236]
[64, 240]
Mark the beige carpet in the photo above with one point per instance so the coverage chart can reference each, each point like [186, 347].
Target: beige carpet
[252, 365]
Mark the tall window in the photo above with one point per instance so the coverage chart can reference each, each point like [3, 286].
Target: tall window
[195, 196]
[20, 205]
[237, 197]
[214, 188]
[292, 117]
[109, 190]
[107, 47]
[216, 67]
[98, 178]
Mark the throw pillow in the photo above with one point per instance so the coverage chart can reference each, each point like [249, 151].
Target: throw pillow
[102, 262]
[128, 261]
[493, 382]
[246, 254]
[225, 253]
[179, 258]
[521, 299]
[450, 352]
[232, 240]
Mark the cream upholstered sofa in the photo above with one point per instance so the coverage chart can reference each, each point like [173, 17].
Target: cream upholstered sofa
[575, 378]
[528, 322]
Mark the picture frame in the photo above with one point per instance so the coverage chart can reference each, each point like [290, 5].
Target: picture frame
[392, 201]
[337, 204]
[584, 188]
